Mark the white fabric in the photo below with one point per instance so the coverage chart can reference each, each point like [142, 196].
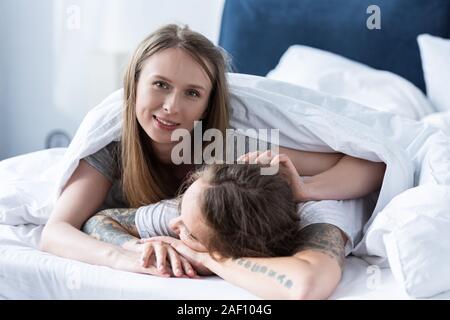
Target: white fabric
[435, 54]
[331, 73]
[415, 154]
[27, 273]
[440, 120]
[418, 239]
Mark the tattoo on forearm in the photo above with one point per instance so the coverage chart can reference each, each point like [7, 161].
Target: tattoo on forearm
[324, 238]
[124, 217]
[255, 267]
[106, 226]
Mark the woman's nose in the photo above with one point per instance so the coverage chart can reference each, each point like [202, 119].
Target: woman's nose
[171, 103]
[173, 224]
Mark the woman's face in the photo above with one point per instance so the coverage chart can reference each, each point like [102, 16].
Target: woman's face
[172, 92]
[190, 225]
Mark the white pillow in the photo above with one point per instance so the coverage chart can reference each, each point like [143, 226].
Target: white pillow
[418, 242]
[435, 53]
[328, 72]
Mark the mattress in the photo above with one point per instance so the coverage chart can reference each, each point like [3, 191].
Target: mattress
[28, 273]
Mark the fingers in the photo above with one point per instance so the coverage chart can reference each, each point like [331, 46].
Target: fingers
[151, 269]
[146, 254]
[188, 269]
[175, 262]
[261, 157]
[180, 265]
[279, 159]
[243, 158]
[166, 258]
[264, 157]
[161, 256]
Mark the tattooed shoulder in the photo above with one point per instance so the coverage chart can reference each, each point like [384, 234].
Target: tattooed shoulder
[324, 238]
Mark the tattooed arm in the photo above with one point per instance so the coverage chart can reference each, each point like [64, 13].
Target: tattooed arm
[312, 273]
[115, 226]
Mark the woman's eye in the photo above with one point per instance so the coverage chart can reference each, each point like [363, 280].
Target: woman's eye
[161, 84]
[193, 93]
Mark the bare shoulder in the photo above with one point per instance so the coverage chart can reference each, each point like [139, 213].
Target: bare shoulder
[324, 239]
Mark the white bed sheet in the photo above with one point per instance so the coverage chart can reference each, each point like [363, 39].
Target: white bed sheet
[27, 273]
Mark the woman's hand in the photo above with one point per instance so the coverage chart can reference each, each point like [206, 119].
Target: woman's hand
[286, 169]
[196, 259]
[160, 254]
[128, 260]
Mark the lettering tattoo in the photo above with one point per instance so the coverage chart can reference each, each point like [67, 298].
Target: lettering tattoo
[115, 226]
[320, 237]
[324, 238]
[257, 268]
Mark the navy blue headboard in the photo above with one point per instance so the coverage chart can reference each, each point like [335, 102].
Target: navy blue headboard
[257, 32]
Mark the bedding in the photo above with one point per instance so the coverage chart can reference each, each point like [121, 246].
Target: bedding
[331, 73]
[27, 273]
[416, 155]
[435, 54]
[440, 120]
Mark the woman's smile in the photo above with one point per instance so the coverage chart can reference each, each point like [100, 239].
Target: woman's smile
[165, 124]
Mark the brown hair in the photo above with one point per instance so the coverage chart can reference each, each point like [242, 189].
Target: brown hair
[250, 215]
[142, 181]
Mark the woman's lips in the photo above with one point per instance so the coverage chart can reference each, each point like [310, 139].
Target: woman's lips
[165, 124]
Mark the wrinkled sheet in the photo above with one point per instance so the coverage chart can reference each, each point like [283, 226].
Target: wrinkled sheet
[27, 273]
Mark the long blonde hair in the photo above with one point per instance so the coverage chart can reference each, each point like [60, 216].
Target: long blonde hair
[142, 183]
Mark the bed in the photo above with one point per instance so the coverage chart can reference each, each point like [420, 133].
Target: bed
[256, 33]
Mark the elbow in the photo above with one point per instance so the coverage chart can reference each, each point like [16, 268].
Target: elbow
[313, 288]
[44, 243]
[304, 291]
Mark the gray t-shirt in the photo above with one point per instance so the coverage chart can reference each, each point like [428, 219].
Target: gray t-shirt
[106, 162]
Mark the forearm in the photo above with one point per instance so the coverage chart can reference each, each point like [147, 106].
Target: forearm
[268, 278]
[350, 178]
[64, 240]
[107, 229]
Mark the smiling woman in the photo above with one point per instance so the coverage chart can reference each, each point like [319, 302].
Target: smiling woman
[175, 78]
[168, 96]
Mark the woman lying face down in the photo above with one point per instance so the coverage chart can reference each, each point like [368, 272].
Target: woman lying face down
[234, 211]
[228, 210]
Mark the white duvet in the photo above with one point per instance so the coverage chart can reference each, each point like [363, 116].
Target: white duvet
[408, 228]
